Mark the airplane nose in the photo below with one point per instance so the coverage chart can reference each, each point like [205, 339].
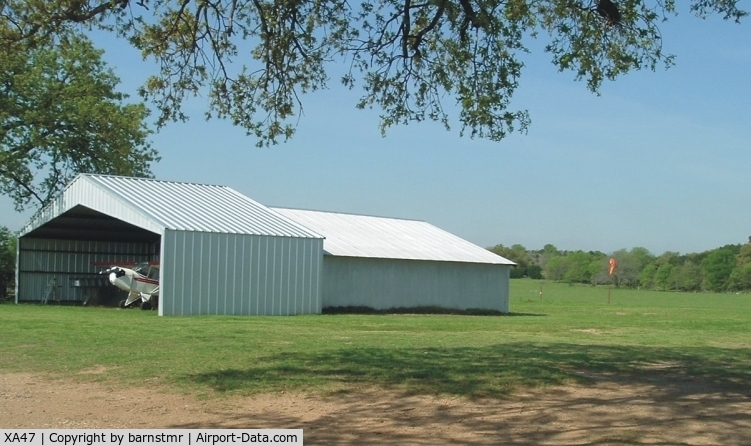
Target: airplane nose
[113, 278]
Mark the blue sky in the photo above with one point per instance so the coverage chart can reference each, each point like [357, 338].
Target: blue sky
[660, 160]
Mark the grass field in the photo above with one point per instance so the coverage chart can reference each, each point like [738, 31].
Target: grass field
[565, 336]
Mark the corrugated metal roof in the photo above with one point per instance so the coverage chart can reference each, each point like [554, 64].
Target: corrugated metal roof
[201, 207]
[365, 236]
[172, 205]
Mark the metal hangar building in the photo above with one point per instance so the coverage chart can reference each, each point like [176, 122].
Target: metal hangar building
[384, 263]
[221, 252]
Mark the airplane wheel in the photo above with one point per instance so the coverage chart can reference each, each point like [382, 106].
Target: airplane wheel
[146, 306]
[121, 304]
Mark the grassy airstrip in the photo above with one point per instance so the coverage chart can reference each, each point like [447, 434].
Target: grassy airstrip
[569, 335]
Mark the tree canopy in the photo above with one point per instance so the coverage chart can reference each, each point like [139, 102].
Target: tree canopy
[60, 115]
[408, 56]
[7, 260]
[727, 268]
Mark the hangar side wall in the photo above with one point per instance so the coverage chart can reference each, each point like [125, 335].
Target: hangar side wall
[390, 283]
[219, 273]
[39, 260]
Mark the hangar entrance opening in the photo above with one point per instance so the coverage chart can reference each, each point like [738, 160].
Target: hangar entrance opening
[60, 260]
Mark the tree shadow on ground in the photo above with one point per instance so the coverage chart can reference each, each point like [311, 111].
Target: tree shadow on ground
[421, 310]
[492, 371]
[516, 393]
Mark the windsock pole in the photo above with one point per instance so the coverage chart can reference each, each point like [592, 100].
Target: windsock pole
[613, 266]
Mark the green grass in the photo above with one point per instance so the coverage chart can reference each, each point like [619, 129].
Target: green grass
[567, 336]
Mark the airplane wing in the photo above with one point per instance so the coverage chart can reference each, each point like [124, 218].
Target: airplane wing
[124, 263]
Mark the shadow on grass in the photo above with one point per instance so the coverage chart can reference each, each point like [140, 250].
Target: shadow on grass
[676, 396]
[493, 371]
[421, 310]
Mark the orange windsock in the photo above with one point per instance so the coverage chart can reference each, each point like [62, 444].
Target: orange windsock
[613, 264]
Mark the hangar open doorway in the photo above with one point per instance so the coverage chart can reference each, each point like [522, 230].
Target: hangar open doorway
[60, 261]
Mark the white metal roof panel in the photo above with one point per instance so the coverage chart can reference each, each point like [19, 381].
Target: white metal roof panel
[201, 207]
[157, 205]
[378, 237]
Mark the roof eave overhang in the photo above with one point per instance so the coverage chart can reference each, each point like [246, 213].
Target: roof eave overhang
[81, 191]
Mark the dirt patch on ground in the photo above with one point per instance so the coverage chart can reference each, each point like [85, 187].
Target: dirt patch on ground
[610, 411]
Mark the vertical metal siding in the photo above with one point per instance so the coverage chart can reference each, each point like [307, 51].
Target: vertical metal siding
[213, 268]
[276, 277]
[236, 275]
[263, 280]
[306, 300]
[211, 273]
[394, 283]
[162, 281]
[289, 267]
[258, 255]
[319, 272]
[244, 275]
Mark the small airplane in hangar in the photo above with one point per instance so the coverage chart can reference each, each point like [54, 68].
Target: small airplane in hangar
[140, 280]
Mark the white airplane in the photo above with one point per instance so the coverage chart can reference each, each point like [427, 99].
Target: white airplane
[141, 282]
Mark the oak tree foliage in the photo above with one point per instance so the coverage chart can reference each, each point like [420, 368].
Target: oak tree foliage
[407, 56]
[8, 242]
[60, 115]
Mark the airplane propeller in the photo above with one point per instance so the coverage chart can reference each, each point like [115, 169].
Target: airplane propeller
[119, 272]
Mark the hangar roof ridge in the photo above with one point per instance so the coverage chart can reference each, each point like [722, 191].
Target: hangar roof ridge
[156, 180]
[157, 205]
[203, 207]
[353, 235]
[346, 213]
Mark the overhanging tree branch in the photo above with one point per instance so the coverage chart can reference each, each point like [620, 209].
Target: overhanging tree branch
[408, 56]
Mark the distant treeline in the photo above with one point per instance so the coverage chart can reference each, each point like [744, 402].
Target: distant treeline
[723, 269]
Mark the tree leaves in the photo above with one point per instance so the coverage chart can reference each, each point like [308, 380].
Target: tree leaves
[8, 242]
[409, 57]
[60, 115]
